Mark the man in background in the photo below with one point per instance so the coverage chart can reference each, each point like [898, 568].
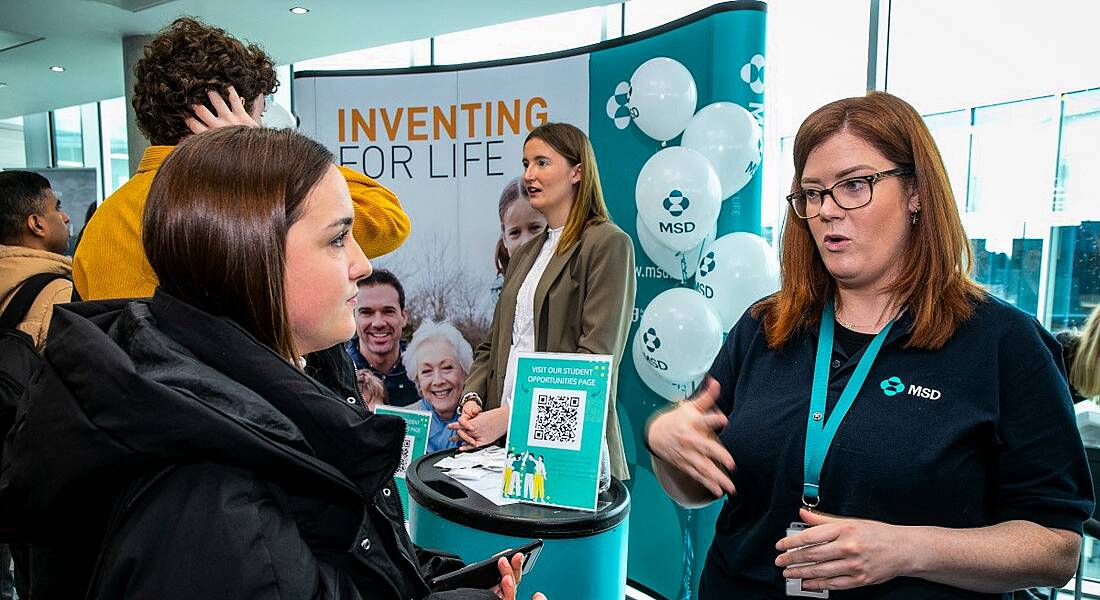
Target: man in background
[380, 318]
[34, 234]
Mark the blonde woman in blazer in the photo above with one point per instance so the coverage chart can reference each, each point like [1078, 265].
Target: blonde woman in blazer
[570, 289]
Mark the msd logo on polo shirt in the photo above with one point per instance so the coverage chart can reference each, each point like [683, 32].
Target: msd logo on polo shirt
[892, 386]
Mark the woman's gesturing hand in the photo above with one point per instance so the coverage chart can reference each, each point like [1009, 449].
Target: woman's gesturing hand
[686, 438]
[844, 553]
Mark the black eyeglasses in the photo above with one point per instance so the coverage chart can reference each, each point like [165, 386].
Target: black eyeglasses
[849, 194]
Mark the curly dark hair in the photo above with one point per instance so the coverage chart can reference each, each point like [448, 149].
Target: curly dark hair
[183, 62]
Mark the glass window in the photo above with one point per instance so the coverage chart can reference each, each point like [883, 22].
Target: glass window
[613, 21]
[987, 51]
[68, 139]
[952, 134]
[1022, 166]
[797, 82]
[13, 152]
[116, 160]
[1008, 208]
[522, 38]
[391, 56]
[1076, 235]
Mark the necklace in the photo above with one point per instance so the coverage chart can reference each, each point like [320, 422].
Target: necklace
[836, 315]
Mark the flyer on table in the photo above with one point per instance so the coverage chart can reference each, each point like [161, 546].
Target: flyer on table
[555, 432]
[415, 444]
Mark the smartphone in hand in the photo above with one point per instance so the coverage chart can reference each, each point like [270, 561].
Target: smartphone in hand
[485, 574]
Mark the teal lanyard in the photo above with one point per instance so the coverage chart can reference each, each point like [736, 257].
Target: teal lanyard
[820, 432]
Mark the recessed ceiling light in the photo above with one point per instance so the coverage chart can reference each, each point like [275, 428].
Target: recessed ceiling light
[57, 69]
[299, 10]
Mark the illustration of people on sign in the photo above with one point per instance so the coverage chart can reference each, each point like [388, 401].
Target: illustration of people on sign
[540, 480]
[513, 476]
[524, 476]
[528, 476]
[507, 481]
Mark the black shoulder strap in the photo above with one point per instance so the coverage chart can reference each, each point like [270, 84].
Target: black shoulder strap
[24, 298]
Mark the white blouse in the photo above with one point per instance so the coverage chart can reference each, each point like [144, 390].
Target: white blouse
[523, 325]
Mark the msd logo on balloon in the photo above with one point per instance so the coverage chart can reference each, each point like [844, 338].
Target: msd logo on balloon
[676, 203]
[679, 194]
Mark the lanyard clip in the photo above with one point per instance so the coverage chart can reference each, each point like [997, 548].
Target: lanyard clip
[810, 497]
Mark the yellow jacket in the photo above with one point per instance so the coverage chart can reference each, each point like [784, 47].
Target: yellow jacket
[110, 261]
[17, 263]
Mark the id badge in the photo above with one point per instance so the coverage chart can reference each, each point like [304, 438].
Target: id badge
[794, 586]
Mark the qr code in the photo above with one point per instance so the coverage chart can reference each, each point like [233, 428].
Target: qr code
[406, 455]
[557, 418]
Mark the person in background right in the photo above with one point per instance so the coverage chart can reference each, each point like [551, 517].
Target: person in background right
[955, 471]
[519, 223]
[1081, 352]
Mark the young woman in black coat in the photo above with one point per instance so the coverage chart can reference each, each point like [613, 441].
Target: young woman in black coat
[180, 446]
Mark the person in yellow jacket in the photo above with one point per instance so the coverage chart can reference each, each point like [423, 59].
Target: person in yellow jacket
[185, 66]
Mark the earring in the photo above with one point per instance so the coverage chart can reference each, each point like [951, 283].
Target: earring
[914, 217]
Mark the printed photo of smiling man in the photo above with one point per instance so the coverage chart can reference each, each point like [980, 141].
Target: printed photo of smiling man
[376, 349]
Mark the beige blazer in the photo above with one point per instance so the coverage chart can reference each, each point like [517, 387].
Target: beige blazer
[583, 303]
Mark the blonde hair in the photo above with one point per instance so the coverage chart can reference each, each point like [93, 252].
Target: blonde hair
[1084, 373]
[588, 204]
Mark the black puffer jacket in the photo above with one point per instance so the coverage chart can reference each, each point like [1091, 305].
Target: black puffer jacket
[167, 454]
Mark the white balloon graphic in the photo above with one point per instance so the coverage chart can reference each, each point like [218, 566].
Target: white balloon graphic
[680, 335]
[678, 196]
[680, 266]
[735, 271]
[729, 136]
[666, 389]
[276, 116]
[662, 97]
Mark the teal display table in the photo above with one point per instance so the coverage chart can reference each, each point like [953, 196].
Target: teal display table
[585, 553]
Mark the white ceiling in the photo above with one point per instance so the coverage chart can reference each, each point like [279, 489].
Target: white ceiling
[85, 36]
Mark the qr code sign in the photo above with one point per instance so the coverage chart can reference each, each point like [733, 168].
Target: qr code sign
[557, 418]
[406, 455]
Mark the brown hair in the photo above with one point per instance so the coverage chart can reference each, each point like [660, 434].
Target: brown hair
[588, 204]
[512, 191]
[181, 64]
[216, 222]
[935, 285]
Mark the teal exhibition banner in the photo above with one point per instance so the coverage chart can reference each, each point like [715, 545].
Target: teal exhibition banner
[413, 446]
[724, 53]
[555, 428]
[675, 115]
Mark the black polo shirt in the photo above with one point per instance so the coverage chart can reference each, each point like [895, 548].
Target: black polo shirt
[977, 433]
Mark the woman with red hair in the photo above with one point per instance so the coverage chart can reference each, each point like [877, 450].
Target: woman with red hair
[881, 424]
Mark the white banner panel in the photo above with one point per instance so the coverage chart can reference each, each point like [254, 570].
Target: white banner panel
[446, 143]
